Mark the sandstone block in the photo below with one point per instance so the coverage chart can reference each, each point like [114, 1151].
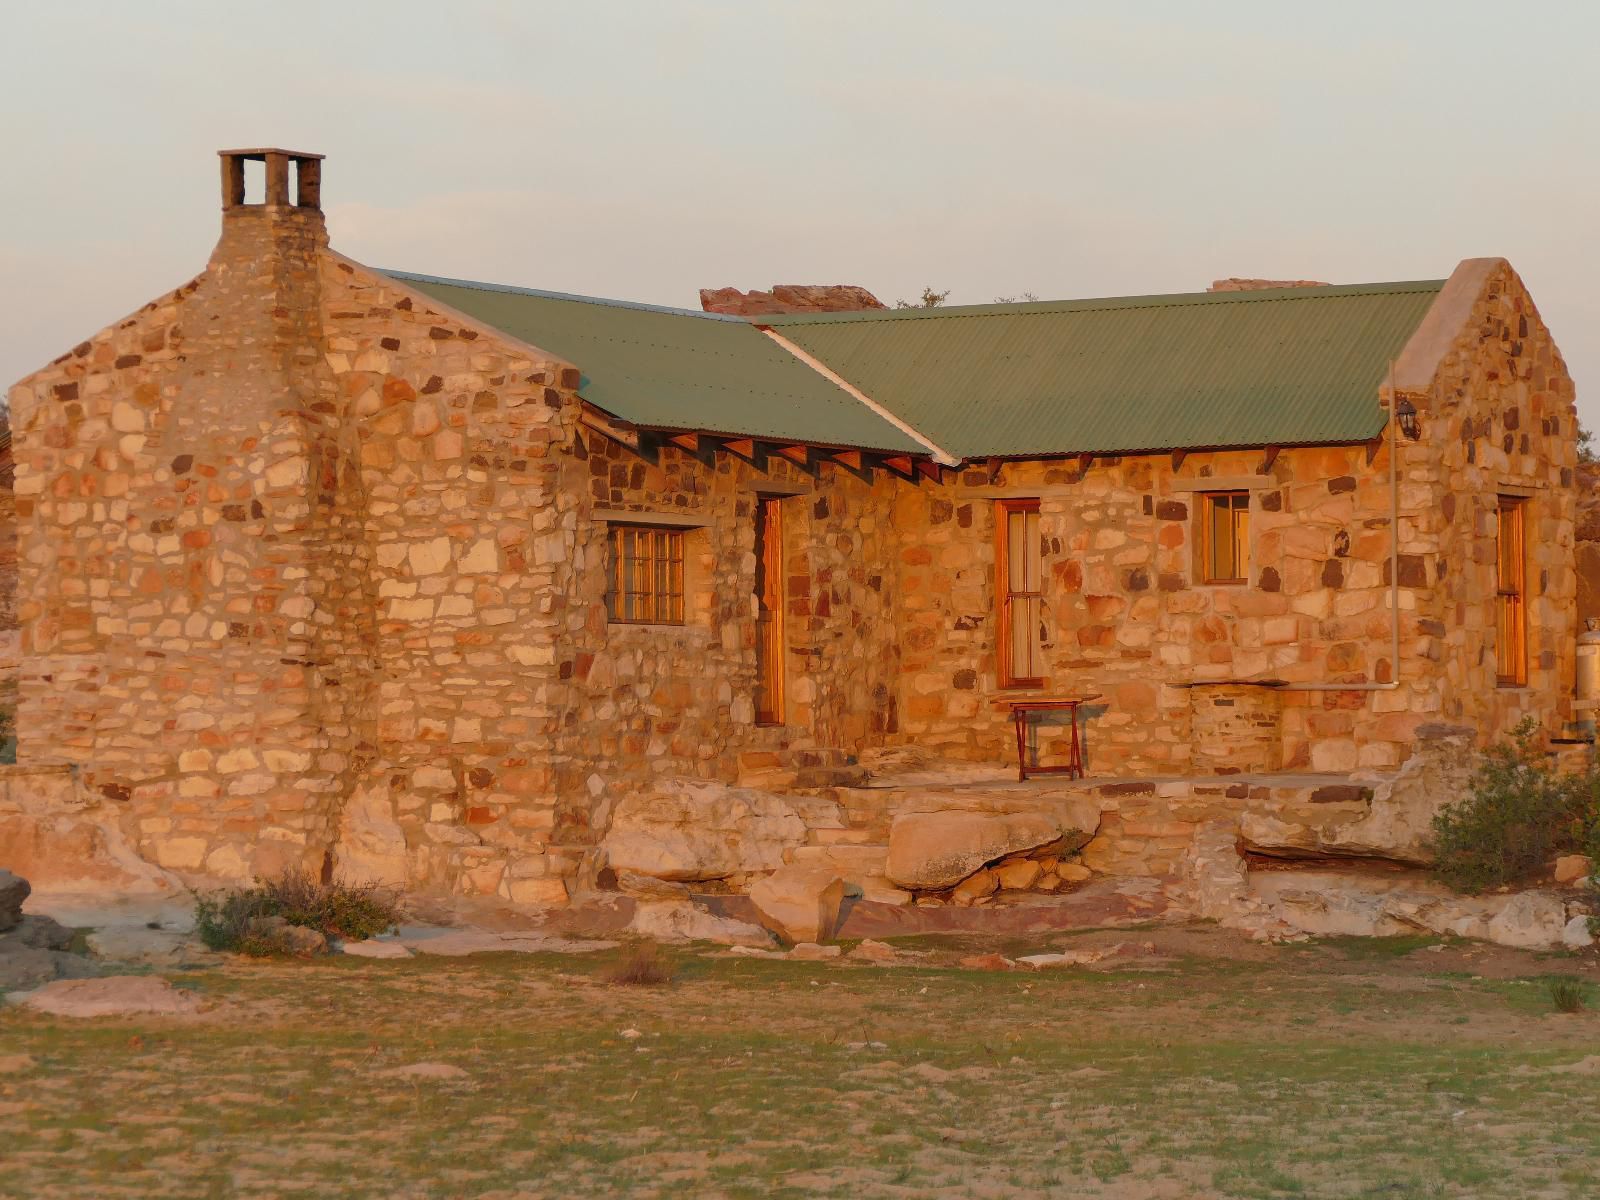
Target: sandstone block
[800, 903]
[1019, 876]
[112, 996]
[683, 921]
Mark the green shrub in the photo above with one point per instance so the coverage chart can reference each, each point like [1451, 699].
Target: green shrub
[1566, 993]
[341, 910]
[1521, 813]
[8, 734]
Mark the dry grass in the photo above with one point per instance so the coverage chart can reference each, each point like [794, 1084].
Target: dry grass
[1294, 1072]
[645, 965]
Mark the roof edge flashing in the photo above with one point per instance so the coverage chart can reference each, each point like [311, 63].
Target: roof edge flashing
[573, 297]
[943, 457]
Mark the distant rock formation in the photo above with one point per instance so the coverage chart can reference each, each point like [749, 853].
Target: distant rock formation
[788, 298]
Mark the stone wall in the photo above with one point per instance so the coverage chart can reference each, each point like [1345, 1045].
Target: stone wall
[1127, 617]
[314, 575]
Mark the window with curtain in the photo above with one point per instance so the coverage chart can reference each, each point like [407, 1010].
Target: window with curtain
[645, 575]
[1225, 536]
[1019, 559]
[1511, 592]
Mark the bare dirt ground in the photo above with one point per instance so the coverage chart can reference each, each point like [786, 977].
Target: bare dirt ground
[1187, 1063]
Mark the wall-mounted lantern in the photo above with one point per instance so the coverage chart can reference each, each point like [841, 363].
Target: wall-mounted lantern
[1405, 412]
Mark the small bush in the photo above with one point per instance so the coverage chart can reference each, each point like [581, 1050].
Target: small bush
[8, 734]
[341, 910]
[1522, 813]
[645, 966]
[1566, 993]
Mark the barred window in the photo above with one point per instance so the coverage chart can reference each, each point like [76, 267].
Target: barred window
[645, 574]
[1511, 592]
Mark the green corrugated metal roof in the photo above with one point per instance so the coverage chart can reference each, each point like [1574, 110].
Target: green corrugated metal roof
[666, 368]
[1284, 366]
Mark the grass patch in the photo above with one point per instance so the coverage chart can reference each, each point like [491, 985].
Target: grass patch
[1566, 993]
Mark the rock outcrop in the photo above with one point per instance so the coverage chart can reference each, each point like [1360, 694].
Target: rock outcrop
[1398, 824]
[788, 298]
[689, 831]
[113, 996]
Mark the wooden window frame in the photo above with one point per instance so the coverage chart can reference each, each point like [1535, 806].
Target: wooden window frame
[662, 598]
[771, 583]
[1241, 538]
[1005, 596]
[1511, 595]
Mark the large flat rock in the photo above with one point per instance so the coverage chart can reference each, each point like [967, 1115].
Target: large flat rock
[935, 850]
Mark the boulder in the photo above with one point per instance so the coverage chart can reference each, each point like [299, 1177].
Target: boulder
[112, 996]
[1572, 867]
[1020, 875]
[136, 944]
[935, 850]
[1530, 921]
[689, 831]
[683, 921]
[874, 951]
[38, 933]
[975, 887]
[1576, 935]
[14, 889]
[28, 966]
[801, 903]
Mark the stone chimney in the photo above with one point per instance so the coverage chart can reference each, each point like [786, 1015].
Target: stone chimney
[788, 298]
[289, 213]
[1235, 284]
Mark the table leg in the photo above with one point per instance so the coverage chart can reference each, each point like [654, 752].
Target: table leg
[1021, 715]
[1077, 747]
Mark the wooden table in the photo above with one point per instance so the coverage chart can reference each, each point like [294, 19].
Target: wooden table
[1019, 713]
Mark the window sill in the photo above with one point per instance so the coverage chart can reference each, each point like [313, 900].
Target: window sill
[656, 627]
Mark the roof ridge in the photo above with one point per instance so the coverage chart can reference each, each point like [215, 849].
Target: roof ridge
[1041, 308]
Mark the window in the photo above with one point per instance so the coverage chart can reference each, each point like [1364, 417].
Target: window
[1020, 587]
[1511, 592]
[1224, 536]
[644, 575]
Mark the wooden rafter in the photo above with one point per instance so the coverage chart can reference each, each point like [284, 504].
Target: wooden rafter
[1267, 459]
[686, 441]
[745, 448]
[603, 424]
[848, 458]
[929, 469]
[1177, 459]
[799, 455]
[900, 464]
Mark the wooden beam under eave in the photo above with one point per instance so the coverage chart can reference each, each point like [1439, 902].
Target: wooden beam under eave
[1177, 459]
[799, 455]
[1373, 447]
[901, 465]
[1267, 459]
[745, 448]
[629, 437]
[929, 469]
[849, 458]
[686, 441]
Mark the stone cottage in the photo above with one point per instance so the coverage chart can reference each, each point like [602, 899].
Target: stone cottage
[340, 567]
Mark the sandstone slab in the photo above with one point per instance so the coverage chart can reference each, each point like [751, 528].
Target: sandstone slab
[1572, 867]
[112, 996]
[935, 850]
[801, 903]
[684, 921]
[133, 944]
[689, 831]
[374, 948]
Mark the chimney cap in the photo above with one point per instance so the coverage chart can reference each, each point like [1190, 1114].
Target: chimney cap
[260, 153]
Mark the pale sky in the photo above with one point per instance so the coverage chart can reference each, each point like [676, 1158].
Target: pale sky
[646, 149]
